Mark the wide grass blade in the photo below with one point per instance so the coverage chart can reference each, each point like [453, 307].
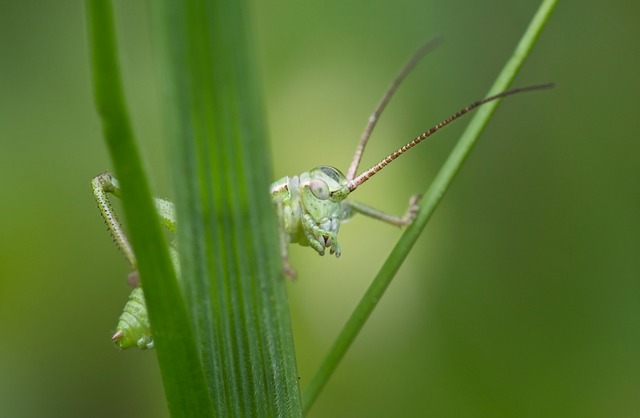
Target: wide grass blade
[183, 375]
[227, 236]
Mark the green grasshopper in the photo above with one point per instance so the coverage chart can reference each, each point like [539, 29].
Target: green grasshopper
[309, 207]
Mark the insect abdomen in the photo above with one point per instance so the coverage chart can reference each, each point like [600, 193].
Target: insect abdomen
[133, 327]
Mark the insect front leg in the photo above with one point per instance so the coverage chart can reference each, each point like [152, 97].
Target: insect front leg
[351, 207]
[328, 233]
[287, 269]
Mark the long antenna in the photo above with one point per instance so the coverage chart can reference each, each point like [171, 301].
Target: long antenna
[354, 183]
[373, 119]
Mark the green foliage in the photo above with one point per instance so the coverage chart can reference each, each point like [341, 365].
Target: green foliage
[229, 320]
[226, 226]
[521, 296]
[236, 299]
[183, 376]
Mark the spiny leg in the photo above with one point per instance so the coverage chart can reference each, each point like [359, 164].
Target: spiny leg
[102, 185]
[350, 207]
[105, 184]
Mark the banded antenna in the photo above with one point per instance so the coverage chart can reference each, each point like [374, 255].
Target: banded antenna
[417, 56]
[355, 182]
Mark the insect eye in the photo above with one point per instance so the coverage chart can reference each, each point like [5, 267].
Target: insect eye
[319, 189]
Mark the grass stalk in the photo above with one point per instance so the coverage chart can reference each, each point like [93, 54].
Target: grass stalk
[428, 204]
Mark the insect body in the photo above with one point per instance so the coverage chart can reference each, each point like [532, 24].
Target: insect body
[309, 206]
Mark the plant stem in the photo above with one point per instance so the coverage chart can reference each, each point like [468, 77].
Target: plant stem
[428, 205]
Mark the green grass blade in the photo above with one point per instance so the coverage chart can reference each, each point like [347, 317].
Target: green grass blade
[428, 205]
[227, 236]
[182, 372]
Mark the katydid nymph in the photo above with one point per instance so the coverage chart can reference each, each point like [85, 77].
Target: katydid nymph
[309, 207]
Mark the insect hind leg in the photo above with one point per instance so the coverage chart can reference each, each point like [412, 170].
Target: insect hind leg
[103, 185]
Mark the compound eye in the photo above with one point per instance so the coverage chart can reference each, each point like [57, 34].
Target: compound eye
[319, 189]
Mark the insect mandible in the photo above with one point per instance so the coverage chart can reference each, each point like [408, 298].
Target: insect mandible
[309, 206]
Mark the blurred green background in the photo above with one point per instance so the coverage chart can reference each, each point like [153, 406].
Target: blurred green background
[522, 297]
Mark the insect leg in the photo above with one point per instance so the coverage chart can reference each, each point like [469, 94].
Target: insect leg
[102, 185]
[351, 207]
[329, 237]
[105, 184]
[287, 270]
[167, 213]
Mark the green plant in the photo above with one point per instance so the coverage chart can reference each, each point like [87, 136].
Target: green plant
[223, 336]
